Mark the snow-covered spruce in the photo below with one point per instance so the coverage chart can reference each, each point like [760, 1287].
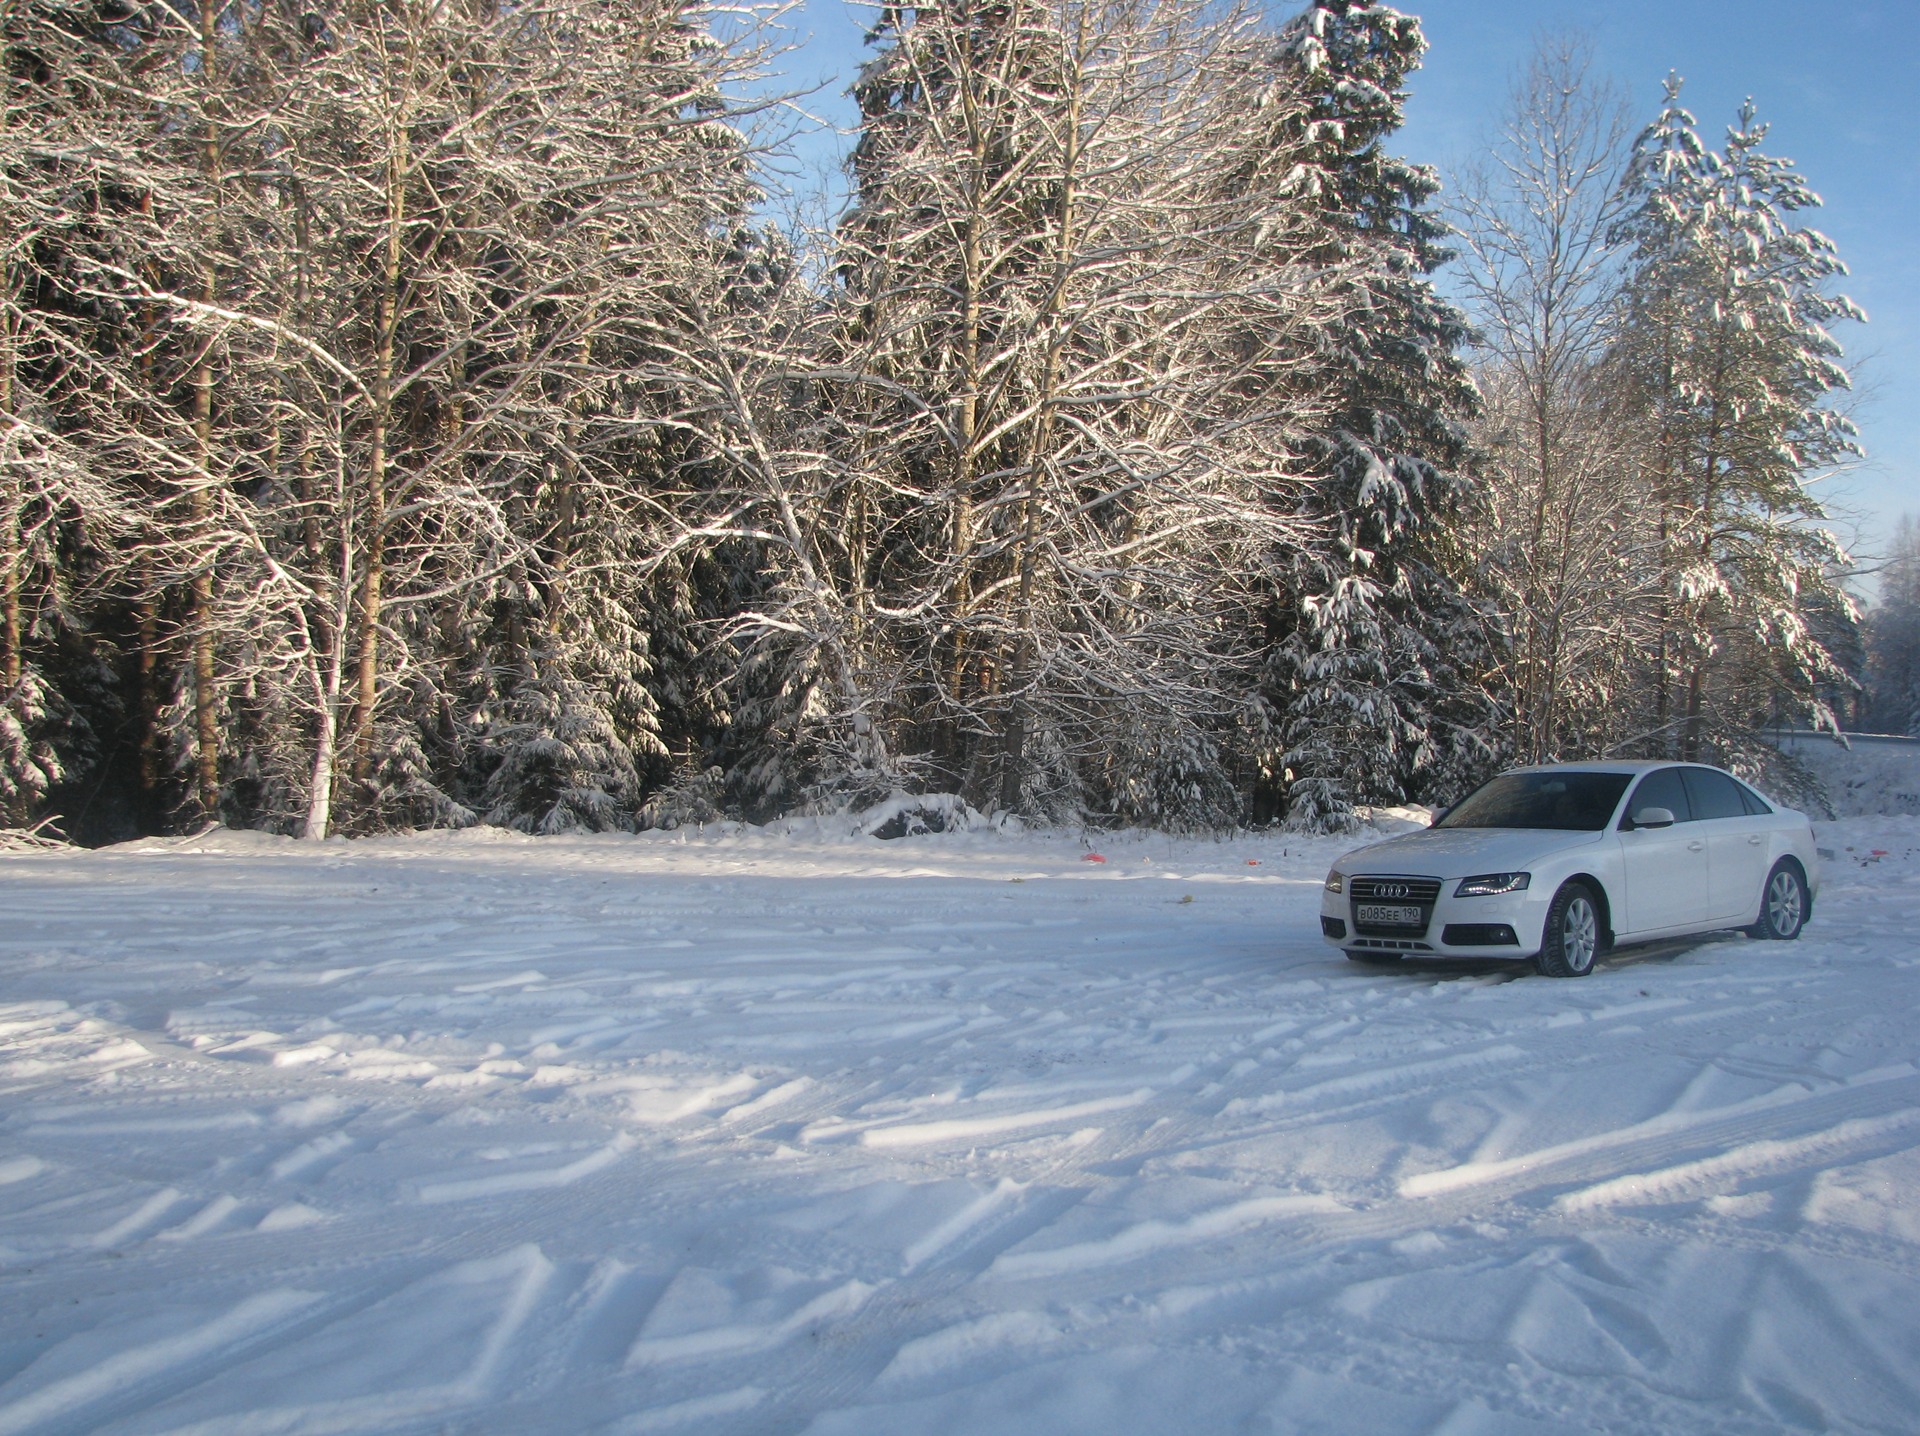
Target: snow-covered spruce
[1373, 688]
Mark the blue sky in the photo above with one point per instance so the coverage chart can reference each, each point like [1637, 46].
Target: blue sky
[1838, 82]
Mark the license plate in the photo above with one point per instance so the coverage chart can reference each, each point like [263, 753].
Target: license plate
[1404, 916]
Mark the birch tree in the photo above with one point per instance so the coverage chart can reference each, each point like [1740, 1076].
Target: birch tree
[450, 222]
[1061, 402]
[1562, 531]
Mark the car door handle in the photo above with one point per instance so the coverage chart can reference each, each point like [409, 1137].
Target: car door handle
[1695, 846]
[1754, 840]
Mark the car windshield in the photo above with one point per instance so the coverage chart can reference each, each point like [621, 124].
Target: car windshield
[1573, 802]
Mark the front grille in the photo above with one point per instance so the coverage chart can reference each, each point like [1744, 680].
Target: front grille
[1421, 890]
[1420, 893]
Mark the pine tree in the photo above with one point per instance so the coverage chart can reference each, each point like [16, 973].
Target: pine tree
[1732, 367]
[569, 740]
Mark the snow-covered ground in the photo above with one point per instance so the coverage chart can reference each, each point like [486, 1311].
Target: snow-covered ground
[792, 1131]
[1870, 773]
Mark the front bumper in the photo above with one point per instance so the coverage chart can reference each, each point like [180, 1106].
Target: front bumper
[1507, 925]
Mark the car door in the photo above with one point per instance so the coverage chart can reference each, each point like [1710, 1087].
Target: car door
[1666, 869]
[1736, 842]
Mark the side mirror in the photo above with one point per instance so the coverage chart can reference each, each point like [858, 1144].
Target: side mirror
[1653, 818]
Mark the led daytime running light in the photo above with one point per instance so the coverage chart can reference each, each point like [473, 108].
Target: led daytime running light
[1493, 884]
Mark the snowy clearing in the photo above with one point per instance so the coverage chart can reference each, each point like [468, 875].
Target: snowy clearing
[796, 1131]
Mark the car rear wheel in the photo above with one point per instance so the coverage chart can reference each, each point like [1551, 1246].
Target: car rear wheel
[1783, 904]
[1571, 941]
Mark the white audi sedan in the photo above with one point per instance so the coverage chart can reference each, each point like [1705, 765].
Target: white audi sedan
[1559, 863]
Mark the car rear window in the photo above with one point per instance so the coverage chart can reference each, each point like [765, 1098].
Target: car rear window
[1570, 801]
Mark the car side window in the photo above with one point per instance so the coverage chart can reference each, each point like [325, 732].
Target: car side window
[1662, 788]
[1755, 804]
[1713, 795]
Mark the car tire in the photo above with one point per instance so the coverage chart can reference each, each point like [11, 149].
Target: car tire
[1783, 904]
[1571, 941]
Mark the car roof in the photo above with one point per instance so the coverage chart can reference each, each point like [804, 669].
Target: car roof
[1611, 765]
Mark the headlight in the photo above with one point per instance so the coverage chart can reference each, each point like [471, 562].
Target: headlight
[1336, 882]
[1493, 884]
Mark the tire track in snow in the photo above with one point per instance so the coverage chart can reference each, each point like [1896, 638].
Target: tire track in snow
[1387, 1081]
[1306, 1228]
[249, 1324]
[1659, 1139]
[1398, 1219]
[1687, 1180]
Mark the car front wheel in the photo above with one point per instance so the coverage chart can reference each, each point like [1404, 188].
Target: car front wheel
[1571, 941]
[1783, 904]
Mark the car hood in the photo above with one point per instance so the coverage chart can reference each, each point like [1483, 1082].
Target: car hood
[1464, 852]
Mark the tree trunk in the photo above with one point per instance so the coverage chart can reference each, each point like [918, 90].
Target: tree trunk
[206, 719]
[967, 415]
[373, 574]
[325, 621]
[12, 576]
[319, 820]
[11, 565]
[1039, 450]
[566, 499]
[12, 561]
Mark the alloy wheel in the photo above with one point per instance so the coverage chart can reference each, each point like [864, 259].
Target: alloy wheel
[1784, 904]
[1580, 933]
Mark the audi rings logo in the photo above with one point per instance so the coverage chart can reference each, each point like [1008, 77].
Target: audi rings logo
[1390, 890]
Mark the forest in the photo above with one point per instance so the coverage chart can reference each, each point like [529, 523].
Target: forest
[415, 413]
